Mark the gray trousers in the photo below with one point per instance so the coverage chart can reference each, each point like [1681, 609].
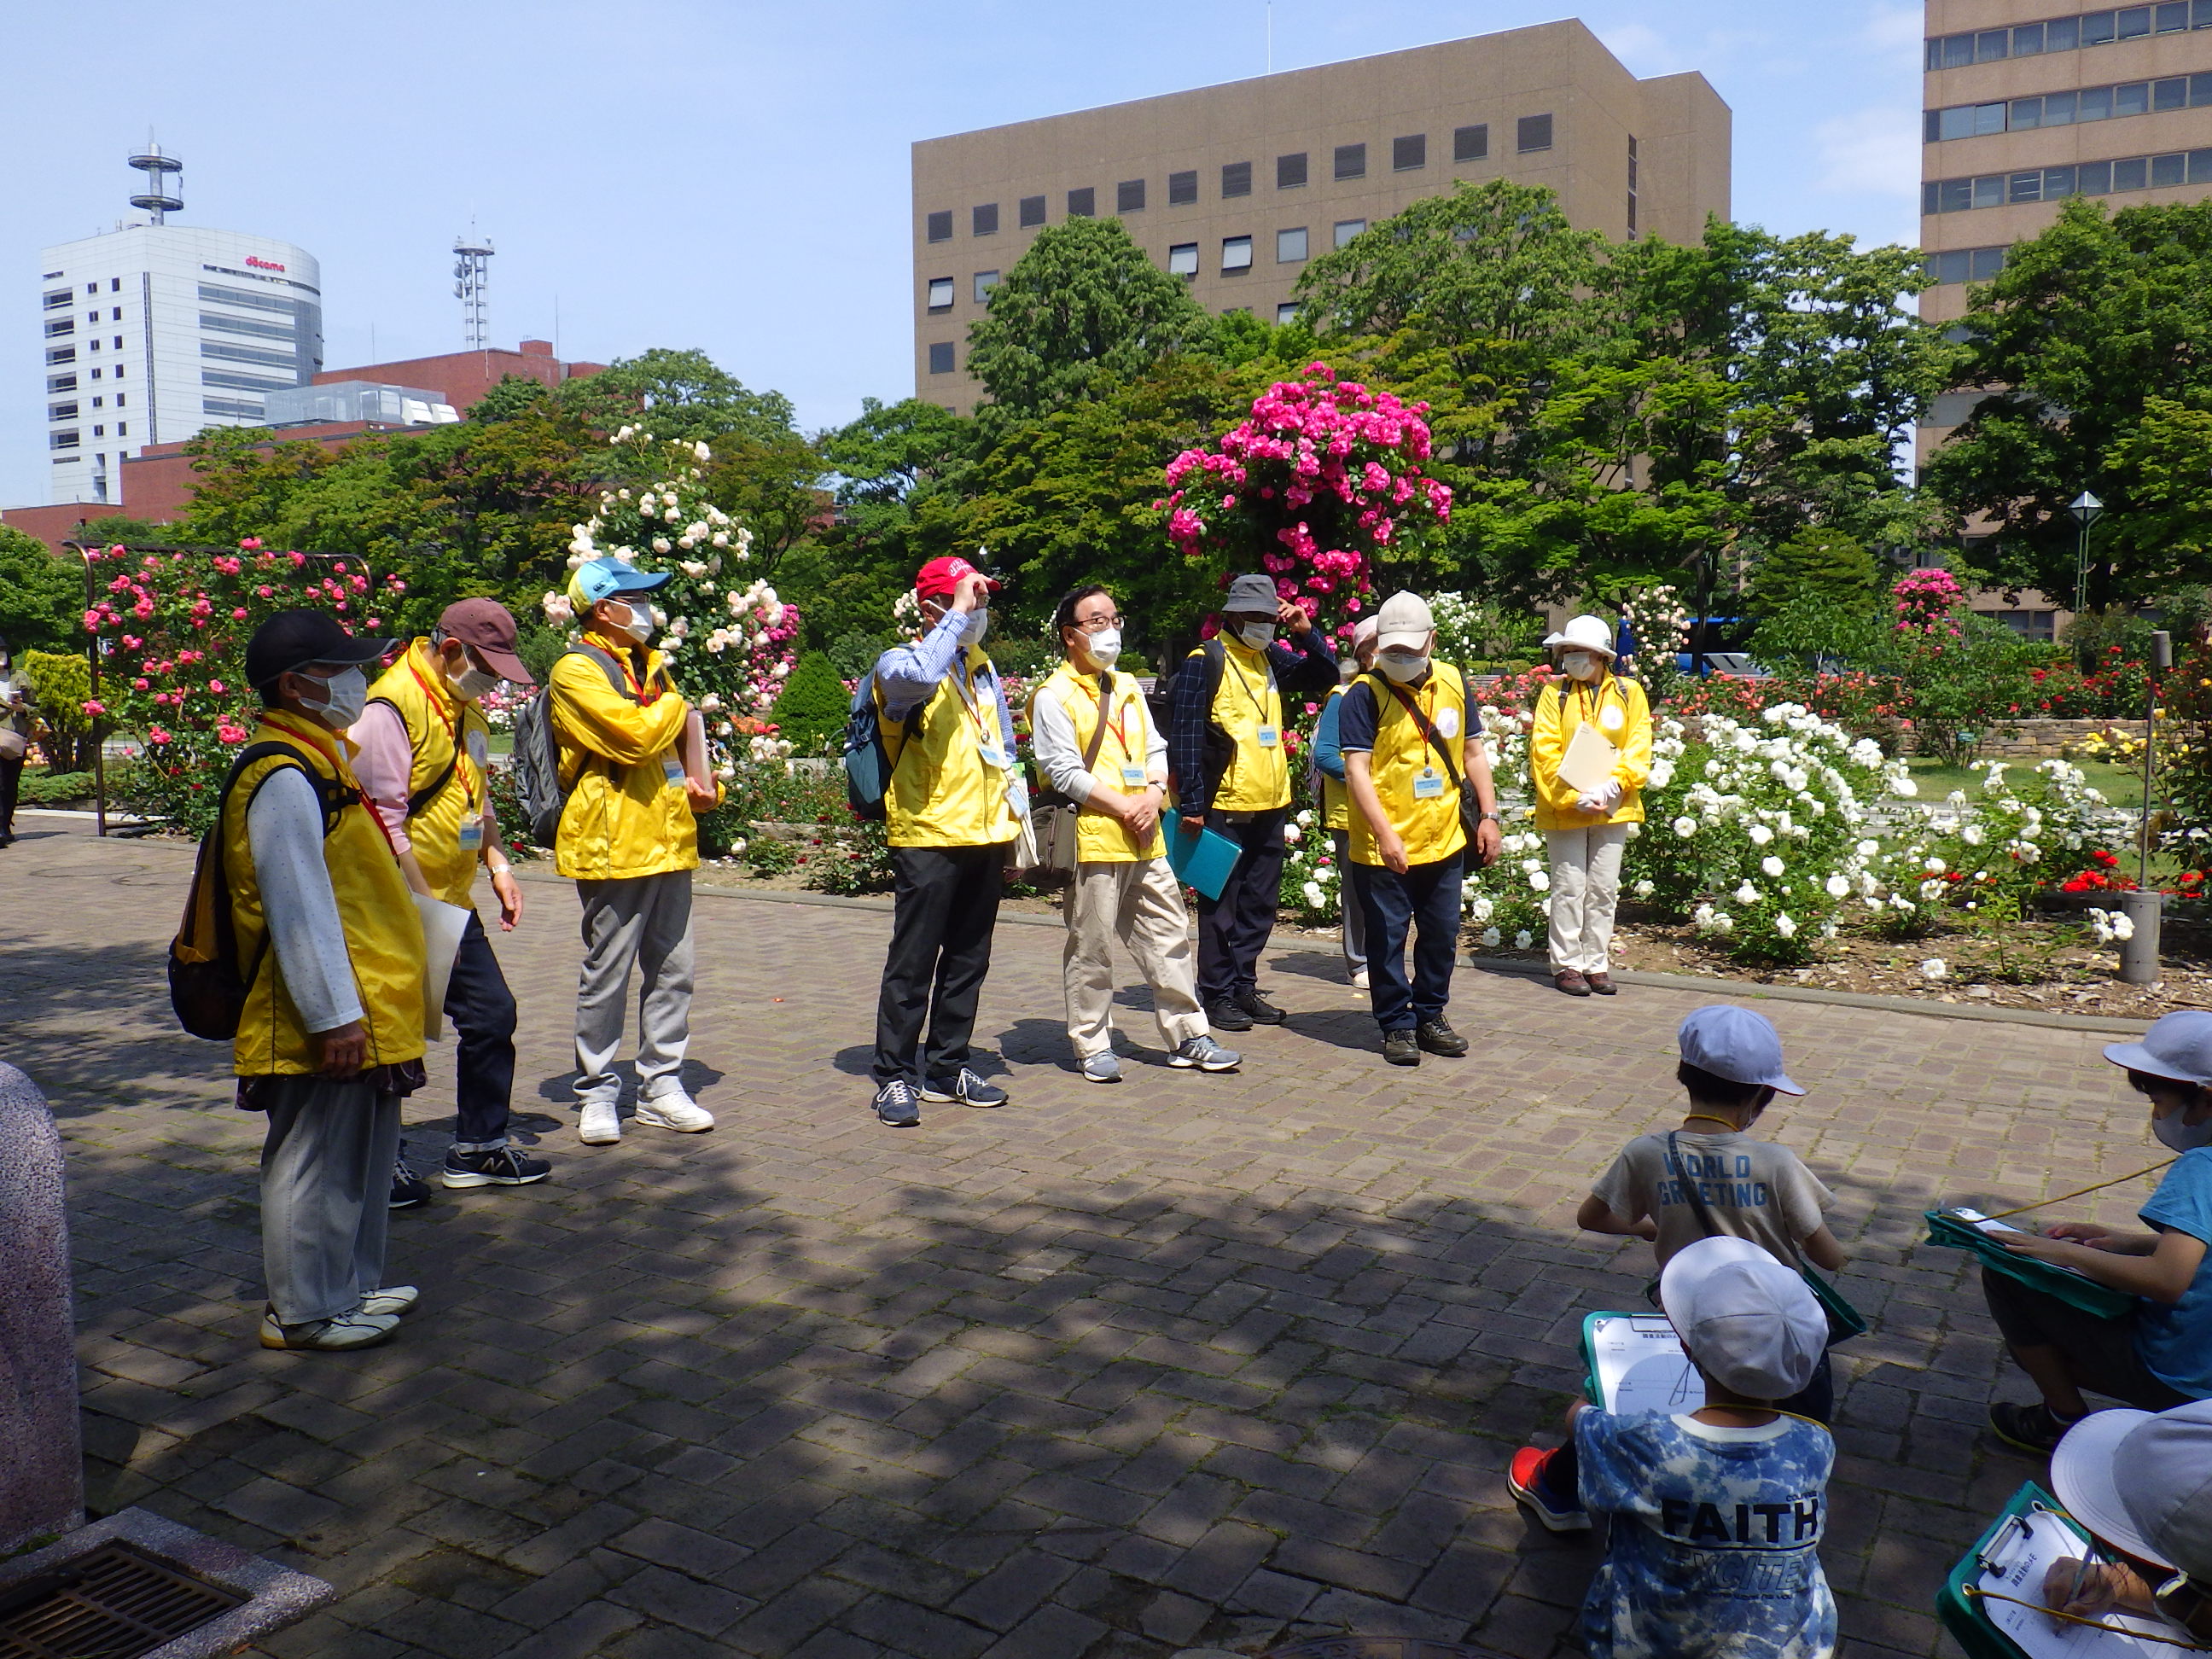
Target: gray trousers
[325, 1194]
[645, 919]
[1354, 936]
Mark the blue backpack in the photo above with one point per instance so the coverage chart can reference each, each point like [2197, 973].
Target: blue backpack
[868, 760]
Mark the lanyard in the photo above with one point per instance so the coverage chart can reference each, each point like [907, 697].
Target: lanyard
[452, 724]
[1121, 716]
[1245, 685]
[963, 686]
[1428, 730]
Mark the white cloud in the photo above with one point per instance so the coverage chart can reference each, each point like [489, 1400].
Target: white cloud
[1870, 152]
[1643, 49]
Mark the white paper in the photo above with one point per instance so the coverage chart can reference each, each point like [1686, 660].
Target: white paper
[1641, 1366]
[1588, 761]
[2016, 1564]
[442, 924]
[1981, 1224]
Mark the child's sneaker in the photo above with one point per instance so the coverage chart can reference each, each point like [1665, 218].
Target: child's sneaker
[2034, 1428]
[1525, 1475]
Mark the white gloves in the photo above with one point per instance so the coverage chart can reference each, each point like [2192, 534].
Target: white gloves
[1604, 800]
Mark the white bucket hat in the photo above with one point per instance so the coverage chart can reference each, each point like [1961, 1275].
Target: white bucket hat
[2142, 1482]
[1583, 634]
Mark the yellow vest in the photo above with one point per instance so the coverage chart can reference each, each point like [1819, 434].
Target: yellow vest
[1335, 798]
[1623, 715]
[439, 727]
[1100, 839]
[1257, 778]
[629, 815]
[383, 934]
[1412, 784]
[943, 793]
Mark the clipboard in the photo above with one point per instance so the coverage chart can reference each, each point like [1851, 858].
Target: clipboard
[1588, 761]
[2010, 1559]
[1634, 1362]
[1200, 858]
[691, 750]
[1972, 1232]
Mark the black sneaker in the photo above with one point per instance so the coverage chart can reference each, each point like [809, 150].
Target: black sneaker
[2034, 1428]
[966, 1088]
[1262, 1011]
[407, 1189]
[1439, 1038]
[1228, 1017]
[1400, 1048]
[895, 1104]
[502, 1166]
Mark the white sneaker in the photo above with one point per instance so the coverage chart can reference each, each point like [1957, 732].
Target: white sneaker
[393, 1299]
[353, 1330]
[675, 1110]
[1359, 980]
[598, 1124]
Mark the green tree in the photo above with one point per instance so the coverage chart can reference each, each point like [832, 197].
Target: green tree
[41, 595]
[62, 682]
[1816, 566]
[674, 394]
[1083, 309]
[811, 712]
[773, 486]
[129, 531]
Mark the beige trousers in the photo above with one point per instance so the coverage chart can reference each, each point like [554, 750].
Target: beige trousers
[1139, 905]
[1585, 886]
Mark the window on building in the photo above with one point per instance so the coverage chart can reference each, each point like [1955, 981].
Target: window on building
[941, 226]
[1352, 160]
[1290, 245]
[2028, 625]
[235, 408]
[62, 354]
[1348, 228]
[121, 400]
[94, 344]
[940, 356]
[1471, 144]
[1236, 253]
[231, 382]
[1533, 132]
[118, 371]
[1032, 211]
[61, 411]
[92, 288]
[1182, 188]
[95, 373]
[1631, 184]
[63, 325]
[223, 351]
[1236, 179]
[97, 402]
[1083, 204]
[1129, 195]
[940, 292]
[61, 382]
[118, 343]
[58, 300]
[123, 428]
[115, 285]
[1287, 312]
[115, 315]
[1409, 153]
[1183, 259]
[100, 432]
[217, 323]
[983, 220]
[1291, 171]
[985, 281]
[91, 316]
[68, 439]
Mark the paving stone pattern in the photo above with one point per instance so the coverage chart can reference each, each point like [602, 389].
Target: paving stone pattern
[1109, 1372]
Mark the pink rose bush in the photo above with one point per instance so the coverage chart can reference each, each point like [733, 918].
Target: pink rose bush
[1319, 478]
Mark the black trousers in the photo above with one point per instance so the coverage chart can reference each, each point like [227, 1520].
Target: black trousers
[1233, 929]
[1424, 902]
[11, 780]
[946, 905]
[481, 1009]
[2099, 1349]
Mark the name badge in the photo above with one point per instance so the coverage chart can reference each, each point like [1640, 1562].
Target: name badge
[1429, 784]
[1269, 737]
[479, 749]
[1132, 777]
[672, 769]
[992, 753]
[472, 836]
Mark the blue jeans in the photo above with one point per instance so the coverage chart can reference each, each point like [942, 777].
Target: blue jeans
[1424, 902]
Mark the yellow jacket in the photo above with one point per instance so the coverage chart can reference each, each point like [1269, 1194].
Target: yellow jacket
[627, 815]
[1623, 715]
[443, 732]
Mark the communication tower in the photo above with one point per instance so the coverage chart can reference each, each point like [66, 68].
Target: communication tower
[472, 277]
[163, 183]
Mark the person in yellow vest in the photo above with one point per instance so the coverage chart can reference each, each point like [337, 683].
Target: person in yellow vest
[424, 758]
[1233, 775]
[1412, 737]
[629, 838]
[1336, 805]
[1094, 742]
[954, 808]
[1585, 833]
[330, 944]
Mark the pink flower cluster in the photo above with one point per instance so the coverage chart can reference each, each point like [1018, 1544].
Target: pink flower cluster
[1320, 476]
[1927, 601]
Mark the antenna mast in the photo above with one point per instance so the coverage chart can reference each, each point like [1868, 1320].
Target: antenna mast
[472, 277]
[161, 198]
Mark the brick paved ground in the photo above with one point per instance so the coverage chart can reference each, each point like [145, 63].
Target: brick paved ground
[1109, 1372]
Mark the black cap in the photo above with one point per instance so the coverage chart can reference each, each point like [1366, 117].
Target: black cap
[293, 639]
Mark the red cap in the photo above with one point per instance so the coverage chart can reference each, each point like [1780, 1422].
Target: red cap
[939, 577]
[489, 627]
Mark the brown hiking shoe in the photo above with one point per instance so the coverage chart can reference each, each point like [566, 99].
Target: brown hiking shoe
[1572, 982]
[1603, 985]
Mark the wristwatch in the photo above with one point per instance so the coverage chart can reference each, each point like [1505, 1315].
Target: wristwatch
[1493, 817]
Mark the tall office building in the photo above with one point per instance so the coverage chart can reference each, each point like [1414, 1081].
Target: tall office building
[1236, 187]
[152, 332]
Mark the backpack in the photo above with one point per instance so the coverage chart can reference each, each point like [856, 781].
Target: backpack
[868, 760]
[536, 754]
[207, 986]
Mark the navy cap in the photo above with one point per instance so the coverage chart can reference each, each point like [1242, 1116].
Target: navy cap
[1737, 1044]
[293, 639]
[602, 579]
[2178, 1046]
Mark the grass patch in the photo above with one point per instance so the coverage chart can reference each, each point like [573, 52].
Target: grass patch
[2121, 786]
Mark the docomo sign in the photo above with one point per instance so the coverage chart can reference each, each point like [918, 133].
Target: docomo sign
[263, 264]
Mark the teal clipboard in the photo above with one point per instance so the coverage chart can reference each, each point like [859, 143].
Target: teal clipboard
[2076, 1290]
[1592, 1391]
[1960, 1612]
[1198, 858]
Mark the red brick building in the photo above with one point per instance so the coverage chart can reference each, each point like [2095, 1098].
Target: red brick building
[462, 378]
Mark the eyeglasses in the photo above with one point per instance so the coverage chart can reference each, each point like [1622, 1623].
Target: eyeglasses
[1096, 623]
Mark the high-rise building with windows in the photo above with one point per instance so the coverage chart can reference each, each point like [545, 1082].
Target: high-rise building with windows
[1234, 188]
[152, 332]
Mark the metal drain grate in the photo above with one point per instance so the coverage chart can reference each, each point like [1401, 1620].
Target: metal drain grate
[113, 1604]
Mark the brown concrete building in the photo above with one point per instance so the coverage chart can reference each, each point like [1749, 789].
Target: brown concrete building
[1236, 187]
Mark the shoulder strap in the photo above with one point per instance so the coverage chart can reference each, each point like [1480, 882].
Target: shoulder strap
[1098, 733]
[1428, 731]
[1689, 1186]
[608, 666]
[1217, 656]
[429, 791]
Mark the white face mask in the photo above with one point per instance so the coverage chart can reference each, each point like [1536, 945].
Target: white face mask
[978, 625]
[638, 628]
[2181, 1137]
[345, 695]
[1401, 667]
[1257, 636]
[1105, 647]
[1580, 665]
[473, 682]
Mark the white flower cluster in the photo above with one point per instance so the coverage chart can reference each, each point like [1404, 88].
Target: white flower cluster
[2111, 926]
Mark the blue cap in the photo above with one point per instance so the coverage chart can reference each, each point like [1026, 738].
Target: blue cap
[2179, 1045]
[602, 579]
[1737, 1044]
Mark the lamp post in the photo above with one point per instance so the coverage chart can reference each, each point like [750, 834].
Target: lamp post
[2144, 907]
[2086, 510]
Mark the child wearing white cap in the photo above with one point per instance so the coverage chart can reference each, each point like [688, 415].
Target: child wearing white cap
[2143, 1485]
[2157, 1354]
[1714, 1551]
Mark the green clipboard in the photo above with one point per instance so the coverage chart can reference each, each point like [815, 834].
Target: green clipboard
[1591, 1390]
[2071, 1288]
[1962, 1613]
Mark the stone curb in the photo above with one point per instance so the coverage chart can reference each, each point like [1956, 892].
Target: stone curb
[1750, 991]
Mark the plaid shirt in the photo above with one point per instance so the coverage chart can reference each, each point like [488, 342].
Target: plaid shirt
[1303, 664]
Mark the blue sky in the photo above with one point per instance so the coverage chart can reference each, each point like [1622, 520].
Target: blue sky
[733, 176]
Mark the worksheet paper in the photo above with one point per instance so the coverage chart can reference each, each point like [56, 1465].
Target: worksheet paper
[1981, 1224]
[2014, 1564]
[1639, 1366]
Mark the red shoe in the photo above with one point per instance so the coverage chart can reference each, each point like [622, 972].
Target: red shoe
[1525, 1476]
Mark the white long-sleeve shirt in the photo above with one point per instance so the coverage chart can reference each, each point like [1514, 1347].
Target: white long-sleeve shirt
[1060, 758]
[284, 832]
